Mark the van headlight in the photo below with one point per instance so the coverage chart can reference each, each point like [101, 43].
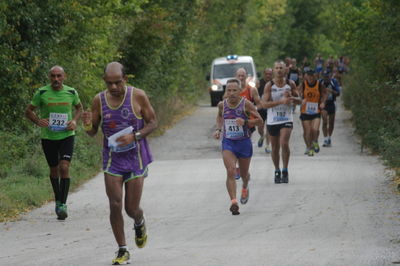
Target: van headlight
[214, 87]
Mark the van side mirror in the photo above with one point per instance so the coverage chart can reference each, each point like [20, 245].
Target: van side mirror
[208, 77]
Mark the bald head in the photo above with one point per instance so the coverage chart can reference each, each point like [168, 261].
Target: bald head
[57, 77]
[241, 70]
[241, 74]
[114, 68]
[57, 68]
[268, 74]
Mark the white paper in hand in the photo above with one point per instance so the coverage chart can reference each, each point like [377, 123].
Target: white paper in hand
[113, 144]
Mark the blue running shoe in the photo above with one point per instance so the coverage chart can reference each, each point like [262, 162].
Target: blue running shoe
[237, 173]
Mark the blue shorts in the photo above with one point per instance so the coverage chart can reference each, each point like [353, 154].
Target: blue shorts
[241, 148]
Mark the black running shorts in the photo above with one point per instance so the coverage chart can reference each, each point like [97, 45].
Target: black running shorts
[274, 130]
[330, 108]
[305, 117]
[56, 150]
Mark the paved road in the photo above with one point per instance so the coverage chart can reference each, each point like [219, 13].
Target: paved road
[339, 209]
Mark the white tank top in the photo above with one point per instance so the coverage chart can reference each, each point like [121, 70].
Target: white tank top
[282, 113]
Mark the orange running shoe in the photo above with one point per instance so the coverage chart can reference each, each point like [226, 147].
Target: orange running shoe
[245, 195]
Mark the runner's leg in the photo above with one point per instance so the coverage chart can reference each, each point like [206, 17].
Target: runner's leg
[133, 194]
[114, 192]
[325, 119]
[275, 145]
[331, 124]
[244, 164]
[284, 143]
[315, 124]
[230, 165]
[307, 133]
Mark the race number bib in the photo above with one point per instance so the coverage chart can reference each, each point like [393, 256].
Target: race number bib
[58, 121]
[280, 116]
[281, 113]
[114, 144]
[232, 130]
[311, 108]
[294, 76]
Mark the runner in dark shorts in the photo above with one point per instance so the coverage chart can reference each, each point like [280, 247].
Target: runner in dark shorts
[279, 97]
[56, 102]
[314, 95]
[267, 77]
[328, 113]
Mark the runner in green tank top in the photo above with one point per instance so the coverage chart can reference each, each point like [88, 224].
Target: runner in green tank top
[55, 102]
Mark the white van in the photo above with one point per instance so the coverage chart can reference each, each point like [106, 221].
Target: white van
[223, 69]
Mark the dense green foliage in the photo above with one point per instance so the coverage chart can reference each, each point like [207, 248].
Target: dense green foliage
[167, 47]
[370, 33]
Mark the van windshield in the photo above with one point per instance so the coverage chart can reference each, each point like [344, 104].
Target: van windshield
[229, 70]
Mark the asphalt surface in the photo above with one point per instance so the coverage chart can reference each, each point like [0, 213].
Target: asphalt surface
[338, 209]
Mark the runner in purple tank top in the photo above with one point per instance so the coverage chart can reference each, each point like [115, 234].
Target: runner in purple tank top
[118, 161]
[233, 121]
[126, 117]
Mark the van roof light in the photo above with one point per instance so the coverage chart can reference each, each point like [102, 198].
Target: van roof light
[231, 57]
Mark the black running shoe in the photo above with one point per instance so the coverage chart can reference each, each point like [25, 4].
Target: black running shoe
[234, 209]
[285, 177]
[277, 177]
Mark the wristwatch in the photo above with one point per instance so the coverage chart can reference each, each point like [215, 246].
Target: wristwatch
[138, 135]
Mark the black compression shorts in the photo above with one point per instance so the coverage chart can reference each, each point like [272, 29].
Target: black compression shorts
[56, 150]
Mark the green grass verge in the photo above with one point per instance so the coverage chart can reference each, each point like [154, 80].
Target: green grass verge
[24, 180]
[24, 174]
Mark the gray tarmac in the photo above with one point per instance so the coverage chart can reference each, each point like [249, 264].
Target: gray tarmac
[339, 208]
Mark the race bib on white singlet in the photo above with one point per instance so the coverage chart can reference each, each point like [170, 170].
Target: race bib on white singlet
[58, 121]
[281, 114]
[114, 144]
[232, 130]
[311, 108]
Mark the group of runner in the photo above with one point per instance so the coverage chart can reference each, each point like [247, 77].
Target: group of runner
[126, 117]
[273, 104]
